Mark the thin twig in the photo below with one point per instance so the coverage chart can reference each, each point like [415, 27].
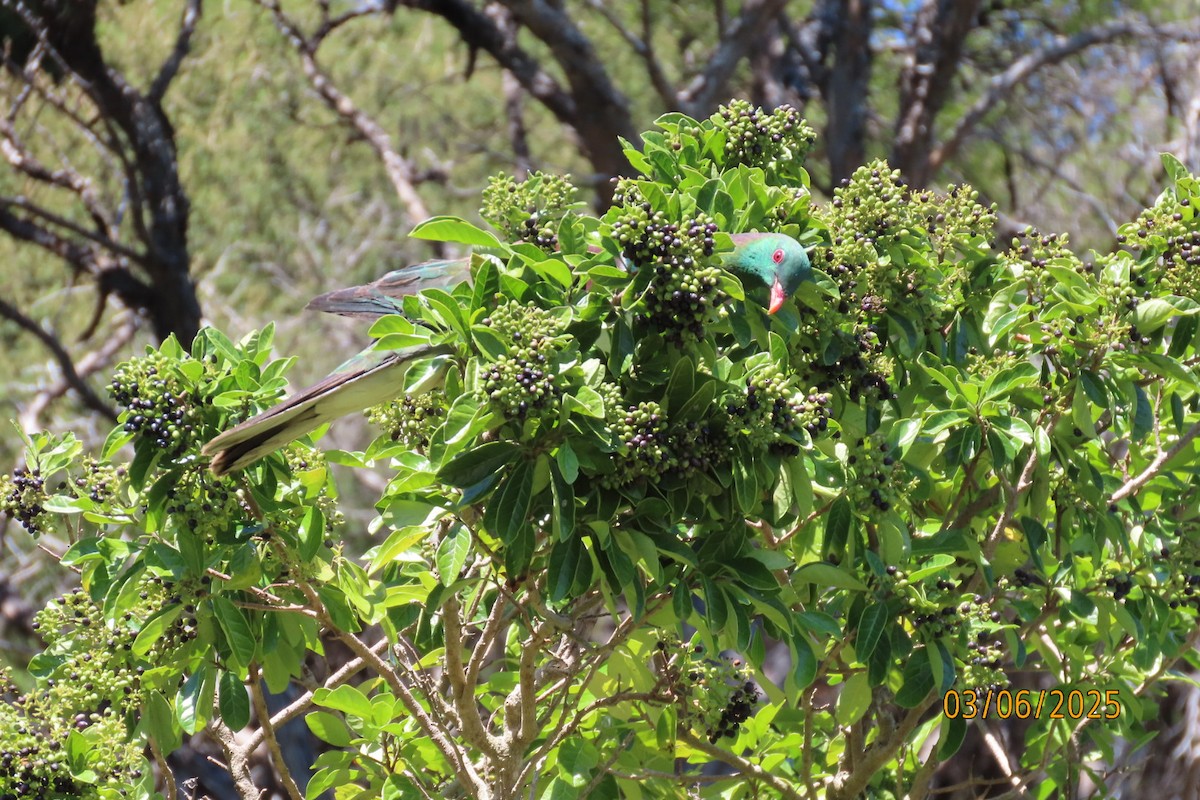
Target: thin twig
[268, 730]
[1156, 466]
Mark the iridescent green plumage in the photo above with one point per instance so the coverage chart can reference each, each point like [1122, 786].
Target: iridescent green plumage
[373, 376]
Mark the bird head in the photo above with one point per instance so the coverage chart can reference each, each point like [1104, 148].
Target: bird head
[779, 261]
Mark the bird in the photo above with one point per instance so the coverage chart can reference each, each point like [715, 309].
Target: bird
[372, 377]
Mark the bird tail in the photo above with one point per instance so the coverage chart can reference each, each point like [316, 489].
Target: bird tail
[353, 387]
[386, 295]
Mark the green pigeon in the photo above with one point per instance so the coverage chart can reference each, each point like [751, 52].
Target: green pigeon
[373, 377]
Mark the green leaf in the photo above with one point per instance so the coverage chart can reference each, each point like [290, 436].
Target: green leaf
[918, 680]
[508, 513]
[1005, 381]
[745, 484]
[568, 462]
[345, 698]
[1152, 314]
[472, 466]
[452, 554]
[954, 731]
[1174, 168]
[329, 728]
[804, 662]
[854, 699]
[312, 533]
[194, 701]
[155, 629]
[453, 229]
[586, 401]
[837, 525]
[1143, 417]
[238, 634]
[823, 574]
[870, 627]
[570, 569]
[931, 566]
[564, 504]
[160, 722]
[234, 704]
[681, 385]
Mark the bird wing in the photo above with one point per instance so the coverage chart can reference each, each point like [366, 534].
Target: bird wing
[370, 378]
[385, 296]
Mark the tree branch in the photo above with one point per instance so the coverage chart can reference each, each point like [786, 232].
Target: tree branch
[183, 44]
[939, 32]
[398, 170]
[744, 766]
[268, 731]
[1135, 484]
[70, 375]
[1016, 74]
[701, 95]
[643, 46]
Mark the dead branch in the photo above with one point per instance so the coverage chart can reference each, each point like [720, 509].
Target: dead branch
[66, 364]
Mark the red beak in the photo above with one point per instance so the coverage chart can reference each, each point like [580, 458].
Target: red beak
[777, 297]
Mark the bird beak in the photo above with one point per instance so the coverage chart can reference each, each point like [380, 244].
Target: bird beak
[777, 297]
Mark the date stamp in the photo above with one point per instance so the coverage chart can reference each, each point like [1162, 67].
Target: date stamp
[1074, 704]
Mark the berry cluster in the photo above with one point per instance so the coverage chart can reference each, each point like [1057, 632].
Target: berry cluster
[880, 481]
[651, 447]
[644, 436]
[100, 483]
[956, 216]
[1187, 586]
[758, 138]
[528, 210]
[200, 504]
[683, 292]
[968, 626]
[1032, 252]
[521, 384]
[862, 366]
[712, 695]
[984, 667]
[160, 403]
[1168, 230]
[98, 669]
[410, 420]
[34, 764]
[773, 411]
[736, 711]
[873, 211]
[23, 497]
[94, 680]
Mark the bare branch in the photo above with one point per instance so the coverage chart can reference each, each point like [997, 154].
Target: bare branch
[463, 690]
[1156, 466]
[183, 43]
[86, 366]
[939, 32]
[268, 730]
[1003, 85]
[399, 171]
[88, 397]
[744, 766]
[643, 47]
[238, 758]
[700, 96]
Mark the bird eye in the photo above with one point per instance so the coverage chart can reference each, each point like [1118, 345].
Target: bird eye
[777, 256]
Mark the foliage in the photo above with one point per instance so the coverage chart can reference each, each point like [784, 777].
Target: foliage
[940, 467]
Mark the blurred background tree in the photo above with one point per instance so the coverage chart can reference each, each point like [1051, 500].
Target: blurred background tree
[169, 163]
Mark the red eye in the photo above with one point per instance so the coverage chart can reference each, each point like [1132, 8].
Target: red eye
[777, 256]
